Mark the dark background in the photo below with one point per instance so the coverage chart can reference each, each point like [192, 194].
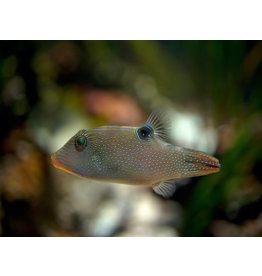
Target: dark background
[211, 91]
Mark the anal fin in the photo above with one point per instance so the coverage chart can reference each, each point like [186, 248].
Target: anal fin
[166, 188]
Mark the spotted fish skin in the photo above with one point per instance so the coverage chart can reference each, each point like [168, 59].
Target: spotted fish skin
[131, 155]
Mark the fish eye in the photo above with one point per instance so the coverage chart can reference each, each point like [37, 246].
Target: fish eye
[143, 133]
[80, 143]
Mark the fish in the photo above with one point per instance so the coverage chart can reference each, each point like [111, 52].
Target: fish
[133, 155]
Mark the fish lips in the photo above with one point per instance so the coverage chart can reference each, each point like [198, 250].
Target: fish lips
[54, 161]
[207, 166]
[199, 163]
[57, 164]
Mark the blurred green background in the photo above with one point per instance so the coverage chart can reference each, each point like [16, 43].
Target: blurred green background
[211, 92]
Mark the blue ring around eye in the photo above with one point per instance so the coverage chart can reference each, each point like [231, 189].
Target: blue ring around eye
[149, 135]
[151, 129]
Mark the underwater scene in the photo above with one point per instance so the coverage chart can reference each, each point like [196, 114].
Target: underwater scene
[131, 138]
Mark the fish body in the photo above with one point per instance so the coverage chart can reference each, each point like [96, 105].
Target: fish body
[132, 155]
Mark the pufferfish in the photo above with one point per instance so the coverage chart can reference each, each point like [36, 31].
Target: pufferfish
[132, 155]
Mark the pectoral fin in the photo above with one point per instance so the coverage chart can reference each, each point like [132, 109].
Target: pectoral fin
[166, 188]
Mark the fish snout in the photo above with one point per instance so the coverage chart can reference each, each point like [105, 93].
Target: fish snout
[54, 161]
[200, 163]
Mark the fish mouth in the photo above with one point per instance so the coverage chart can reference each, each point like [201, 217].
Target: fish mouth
[210, 166]
[200, 163]
[54, 162]
[58, 165]
[62, 167]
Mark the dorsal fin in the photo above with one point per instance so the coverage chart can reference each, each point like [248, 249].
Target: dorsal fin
[158, 121]
[166, 188]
